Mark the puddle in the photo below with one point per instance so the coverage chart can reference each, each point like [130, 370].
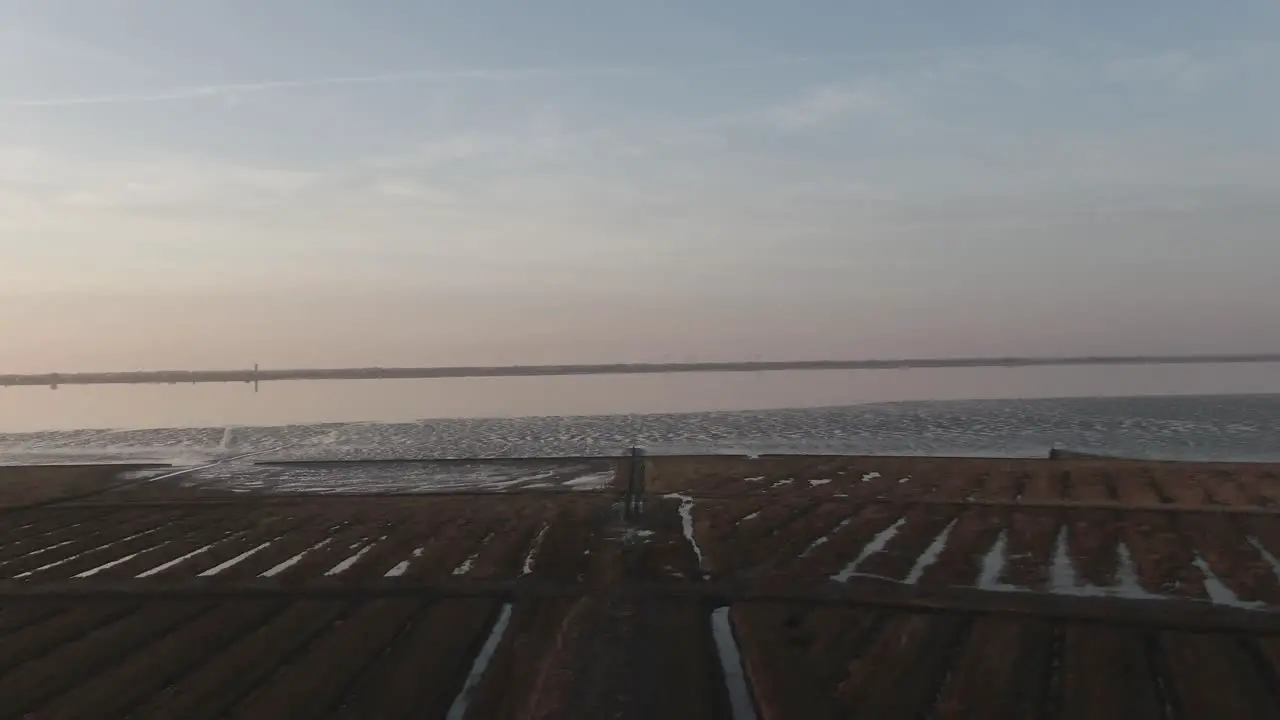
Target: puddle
[876, 545]
[179, 560]
[103, 546]
[1062, 573]
[121, 561]
[470, 562]
[826, 538]
[467, 564]
[930, 555]
[34, 553]
[686, 522]
[1219, 593]
[236, 560]
[533, 551]
[295, 559]
[346, 565]
[634, 535]
[403, 566]
[993, 565]
[458, 710]
[107, 566]
[1272, 560]
[594, 481]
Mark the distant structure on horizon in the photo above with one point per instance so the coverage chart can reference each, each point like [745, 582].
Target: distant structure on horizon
[257, 375]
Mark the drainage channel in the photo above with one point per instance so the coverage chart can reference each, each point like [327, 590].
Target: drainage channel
[458, 710]
[741, 705]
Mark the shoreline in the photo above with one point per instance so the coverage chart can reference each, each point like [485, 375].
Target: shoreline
[257, 375]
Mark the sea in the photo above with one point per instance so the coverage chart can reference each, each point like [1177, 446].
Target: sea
[1217, 413]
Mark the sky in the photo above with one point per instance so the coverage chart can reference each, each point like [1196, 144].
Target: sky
[214, 183]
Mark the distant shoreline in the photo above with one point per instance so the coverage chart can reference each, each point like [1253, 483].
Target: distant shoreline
[174, 377]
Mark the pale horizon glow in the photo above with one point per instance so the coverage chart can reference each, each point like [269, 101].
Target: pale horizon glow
[208, 184]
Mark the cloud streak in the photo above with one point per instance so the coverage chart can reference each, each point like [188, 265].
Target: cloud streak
[225, 90]
[1016, 64]
[202, 92]
[829, 103]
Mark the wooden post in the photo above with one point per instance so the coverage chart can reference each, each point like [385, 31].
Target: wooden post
[635, 484]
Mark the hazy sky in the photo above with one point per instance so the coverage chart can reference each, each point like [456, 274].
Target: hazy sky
[314, 182]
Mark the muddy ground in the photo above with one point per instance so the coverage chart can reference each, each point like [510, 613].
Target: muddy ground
[1002, 589]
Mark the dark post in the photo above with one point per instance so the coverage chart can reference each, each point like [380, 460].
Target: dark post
[635, 484]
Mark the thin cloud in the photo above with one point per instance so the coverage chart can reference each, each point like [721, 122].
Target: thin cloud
[202, 92]
[827, 104]
[415, 190]
[225, 90]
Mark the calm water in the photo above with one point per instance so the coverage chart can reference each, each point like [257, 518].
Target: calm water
[30, 409]
[1188, 412]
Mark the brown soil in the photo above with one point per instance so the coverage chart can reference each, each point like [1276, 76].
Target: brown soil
[612, 618]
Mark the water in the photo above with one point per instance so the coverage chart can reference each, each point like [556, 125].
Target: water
[161, 406]
[1151, 414]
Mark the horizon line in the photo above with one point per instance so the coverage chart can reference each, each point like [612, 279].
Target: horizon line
[257, 374]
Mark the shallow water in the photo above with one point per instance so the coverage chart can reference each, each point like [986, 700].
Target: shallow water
[1217, 427]
[1163, 411]
[394, 401]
